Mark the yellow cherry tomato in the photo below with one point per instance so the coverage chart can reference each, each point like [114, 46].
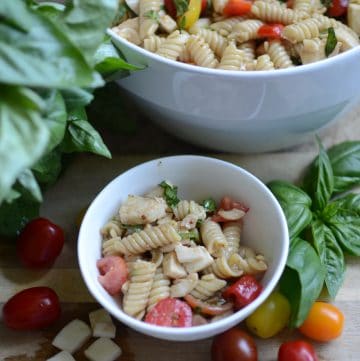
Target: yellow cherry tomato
[188, 19]
[270, 317]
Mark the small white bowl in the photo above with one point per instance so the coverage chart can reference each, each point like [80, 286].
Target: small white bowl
[197, 177]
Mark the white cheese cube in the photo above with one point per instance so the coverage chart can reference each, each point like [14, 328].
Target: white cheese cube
[103, 349]
[72, 336]
[101, 324]
[61, 356]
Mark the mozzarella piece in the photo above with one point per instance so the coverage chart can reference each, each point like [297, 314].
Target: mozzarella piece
[133, 5]
[72, 336]
[103, 349]
[101, 324]
[200, 264]
[188, 254]
[171, 266]
[347, 37]
[61, 356]
[353, 16]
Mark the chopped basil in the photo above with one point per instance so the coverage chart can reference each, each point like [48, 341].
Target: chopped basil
[152, 14]
[182, 22]
[327, 3]
[192, 235]
[133, 227]
[181, 7]
[330, 42]
[209, 204]
[170, 193]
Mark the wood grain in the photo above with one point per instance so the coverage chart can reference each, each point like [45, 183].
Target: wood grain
[80, 183]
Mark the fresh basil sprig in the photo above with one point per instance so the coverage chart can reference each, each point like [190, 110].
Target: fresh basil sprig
[170, 193]
[321, 227]
[209, 204]
[331, 41]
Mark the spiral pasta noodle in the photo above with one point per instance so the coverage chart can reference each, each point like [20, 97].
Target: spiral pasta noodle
[160, 289]
[139, 242]
[278, 55]
[207, 286]
[232, 59]
[201, 53]
[147, 25]
[216, 41]
[140, 283]
[232, 233]
[213, 237]
[224, 267]
[173, 45]
[225, 26]
[153, 42]
[246, 30]
[184, 208]
[112, 229]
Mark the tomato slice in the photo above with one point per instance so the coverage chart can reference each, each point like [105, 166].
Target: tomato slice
[204, 6]
[273, 31]
[31, 309]
[338, 8]
[243, 291]
[113, 273]
[170, 312]
[237, 7]
[207, 309]
[227, 204]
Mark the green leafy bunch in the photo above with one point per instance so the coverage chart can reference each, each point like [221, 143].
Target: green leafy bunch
[323, 219]
[52, 57]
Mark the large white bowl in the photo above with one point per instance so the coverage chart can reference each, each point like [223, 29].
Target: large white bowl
[197, 177]
[241, 111]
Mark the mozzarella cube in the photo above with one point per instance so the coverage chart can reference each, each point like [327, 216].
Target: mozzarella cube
[101, 324]
[72, 336]
[61, 356]
[103, 349]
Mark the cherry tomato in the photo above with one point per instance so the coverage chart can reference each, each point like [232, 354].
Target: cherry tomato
[170, 8]
[113, 273]
[237, 7]
[234, 345]
[324, 322]
[270, 317]
[204, 6]
[206, 308]
[32, 308]
[170, 312]
[227, 203]
[243, 291]
[40, 243]
[297, 351]
[273, 31]
[338, 8]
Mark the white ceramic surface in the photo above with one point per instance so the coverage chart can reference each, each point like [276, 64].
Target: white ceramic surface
[241, 111]
[197, 177]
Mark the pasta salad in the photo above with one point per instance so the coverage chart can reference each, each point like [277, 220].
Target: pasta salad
[242, 34]
[179, 263]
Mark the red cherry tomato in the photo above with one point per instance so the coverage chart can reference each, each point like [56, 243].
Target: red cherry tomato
[324, 322]
[273, 31]
[338, 8]
[170, 312]
[243, 291]
[237, 7]
[113, 273]
[32, 308]
[204, 5]
[40, 243]
[297, 351]
[206, 308]
[234, 345]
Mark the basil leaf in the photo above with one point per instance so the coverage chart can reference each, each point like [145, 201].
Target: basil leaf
[331, 256]
[331, 41]
[76, 98]
[345, 161]
[295, 204]
[209, 204]
[27, 180]
[23, 136]
[170, 193]
[302, 280]
[342, 216]
[84, 22]
[81, 136]
[41, 57]
[319, 180]
[55, 115]
[15, 215]
[181, 7]
[48, 168]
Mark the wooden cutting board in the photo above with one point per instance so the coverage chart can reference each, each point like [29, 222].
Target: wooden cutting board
[83, 179]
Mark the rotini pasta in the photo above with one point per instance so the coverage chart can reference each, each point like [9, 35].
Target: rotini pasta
[278, 54]
[164, 261]
[201, 53]
[232, 59]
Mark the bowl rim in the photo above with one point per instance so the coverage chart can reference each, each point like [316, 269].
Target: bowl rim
[162, 331]
[296, 70]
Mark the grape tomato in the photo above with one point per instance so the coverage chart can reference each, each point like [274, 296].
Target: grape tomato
[234, 345]
[297, 350]
[32, 308]
[40, 243]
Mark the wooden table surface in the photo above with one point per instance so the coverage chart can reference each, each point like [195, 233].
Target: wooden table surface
[84, 178]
